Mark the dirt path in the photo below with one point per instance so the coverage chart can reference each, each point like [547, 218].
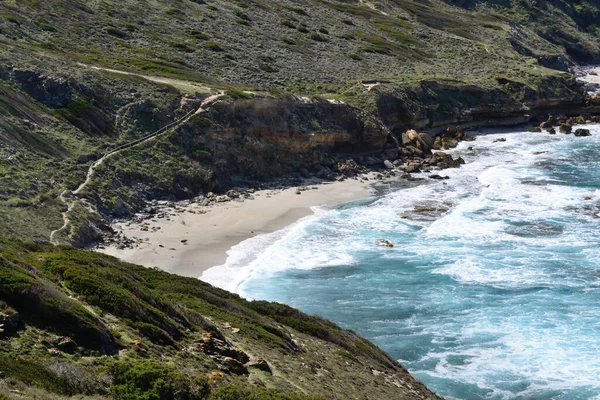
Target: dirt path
[63, 197]
[65, 216]
[186, 86]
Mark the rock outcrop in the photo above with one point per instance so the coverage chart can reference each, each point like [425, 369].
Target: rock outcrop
[52, 91]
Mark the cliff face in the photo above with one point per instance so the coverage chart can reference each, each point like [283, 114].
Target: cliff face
[77, 322]
[433, 106]
[240, 139]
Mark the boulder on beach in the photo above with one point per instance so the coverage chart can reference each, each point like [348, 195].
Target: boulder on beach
[427, 139]
[349, 168]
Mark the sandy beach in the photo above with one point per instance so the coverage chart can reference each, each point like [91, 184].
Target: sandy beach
[195, 238]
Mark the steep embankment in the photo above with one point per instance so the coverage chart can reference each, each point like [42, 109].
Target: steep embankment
[77, 322]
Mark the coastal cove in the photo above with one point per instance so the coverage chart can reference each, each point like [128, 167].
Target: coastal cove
[300, 200]
[507, 237]
[489, 290]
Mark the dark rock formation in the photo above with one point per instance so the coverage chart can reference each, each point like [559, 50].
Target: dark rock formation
[51, 91]
[9, 322]
[582, 132]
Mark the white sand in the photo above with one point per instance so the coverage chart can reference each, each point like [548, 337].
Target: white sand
[210, 235]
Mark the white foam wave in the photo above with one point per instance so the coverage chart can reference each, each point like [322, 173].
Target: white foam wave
[506, 223]
[291, 248]
[475, 270]
[242, 256]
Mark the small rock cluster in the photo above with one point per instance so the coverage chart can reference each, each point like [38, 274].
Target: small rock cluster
[237, 195]
[9, 154]
[418, 155]
[565, 125]
[230, 358]
[60, 345]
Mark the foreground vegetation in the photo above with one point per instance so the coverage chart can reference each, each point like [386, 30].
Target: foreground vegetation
[82, 323]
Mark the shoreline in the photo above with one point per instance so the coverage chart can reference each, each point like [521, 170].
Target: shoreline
[188, 238]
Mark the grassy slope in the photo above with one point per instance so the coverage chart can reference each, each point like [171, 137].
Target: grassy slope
[298, 45]
[104, 306]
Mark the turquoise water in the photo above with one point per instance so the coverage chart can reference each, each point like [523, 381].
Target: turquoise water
[493, 287]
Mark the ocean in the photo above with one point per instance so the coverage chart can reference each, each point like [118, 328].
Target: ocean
[492, 288]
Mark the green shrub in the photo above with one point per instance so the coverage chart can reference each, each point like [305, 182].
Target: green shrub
[116, 33]
[318, 38]
[268, 68]
[298, 10]
[237, 392]
[237, 94]
[174, 12]
[377, 44]
[33, 374]
[154, 333]
[144, 380]
[241, 15]
[46, 27]
[183, 47]
[214, 46]
[199, 35]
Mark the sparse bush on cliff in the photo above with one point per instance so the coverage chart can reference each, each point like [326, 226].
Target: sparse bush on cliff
[145, 380]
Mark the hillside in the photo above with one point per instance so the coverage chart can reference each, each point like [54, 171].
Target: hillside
[368, 72]
[77, 322]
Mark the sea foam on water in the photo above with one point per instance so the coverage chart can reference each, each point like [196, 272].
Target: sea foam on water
[492, 286]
